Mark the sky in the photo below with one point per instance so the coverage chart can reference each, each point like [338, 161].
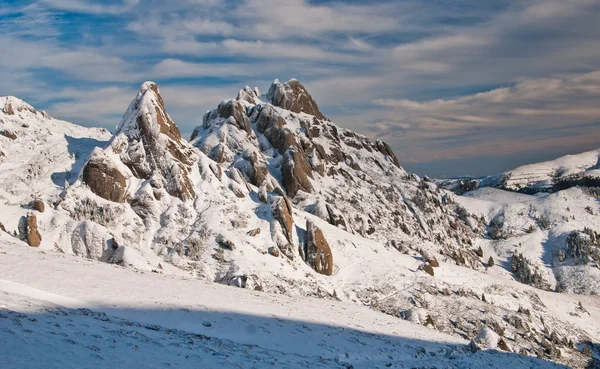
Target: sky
[456, 87]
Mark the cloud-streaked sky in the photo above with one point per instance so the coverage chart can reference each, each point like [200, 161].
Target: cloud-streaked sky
[457, 87]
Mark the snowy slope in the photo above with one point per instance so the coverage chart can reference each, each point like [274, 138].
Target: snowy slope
[551, 175]
[140, 319]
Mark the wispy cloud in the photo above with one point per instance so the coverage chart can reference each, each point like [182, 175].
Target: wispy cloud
[436, 79]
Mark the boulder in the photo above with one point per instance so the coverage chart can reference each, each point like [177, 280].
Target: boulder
[293, 96]
[318, 253]
[225, 242]
[427, 268]
[274, 251]
[38, 205]
[32, 235]
[2, 228]
[103, 178]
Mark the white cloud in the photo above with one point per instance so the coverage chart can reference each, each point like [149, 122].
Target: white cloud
[90, 6]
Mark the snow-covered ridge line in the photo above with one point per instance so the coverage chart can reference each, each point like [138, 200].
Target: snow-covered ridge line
[547, 176]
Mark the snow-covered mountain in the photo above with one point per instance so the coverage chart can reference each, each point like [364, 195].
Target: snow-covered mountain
[269, 195]
[549, 176]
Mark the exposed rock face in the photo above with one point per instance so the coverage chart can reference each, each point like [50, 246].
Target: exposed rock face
[33, 237]
[258, 171]
[250, 95]
[296, 173]
[385, 149]
[150, 144]
[358, 182]
[318, 253]
[282, 212]
[2, 228]
[103, 178]
[235, 109]
[293, 96]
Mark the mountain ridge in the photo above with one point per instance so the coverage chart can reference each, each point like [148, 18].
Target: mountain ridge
[268, 199]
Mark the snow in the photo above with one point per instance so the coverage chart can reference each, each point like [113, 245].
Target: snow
[106, 316]
[170, 270]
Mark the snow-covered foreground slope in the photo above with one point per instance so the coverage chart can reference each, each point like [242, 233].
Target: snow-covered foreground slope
[105, 316]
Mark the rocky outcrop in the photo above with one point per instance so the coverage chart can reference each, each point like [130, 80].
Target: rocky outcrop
[318, 253]
[293, 96]
[249, 95]
[103, 178]
[236, 110]
[150, 144]
[282, 212]
[28, 230]
[386, 150]
[296, 173]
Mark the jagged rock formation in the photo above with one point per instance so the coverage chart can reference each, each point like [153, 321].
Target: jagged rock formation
[352, 182]
[318, 254]
[293, 96]
[149, 144]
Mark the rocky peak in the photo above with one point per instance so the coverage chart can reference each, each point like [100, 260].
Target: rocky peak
[293, 96]
[149, 144]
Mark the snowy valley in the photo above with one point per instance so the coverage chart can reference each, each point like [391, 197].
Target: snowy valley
[274, 237]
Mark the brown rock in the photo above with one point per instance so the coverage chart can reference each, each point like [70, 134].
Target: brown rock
[274, 251]
[258, 170]
[433, 262]
[385, 149]
[103, 178]
[2, 228]
[235, 109]
[38, 205]
[253, 232]
[9, 134]
[427, 269]
[293, 96]
[282, 212]
[34, 239]
[224, 242]
[502, 345]
[296, 173]
[318, 252]
[8, 109]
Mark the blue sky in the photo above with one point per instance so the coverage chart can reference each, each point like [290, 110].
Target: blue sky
[461, 87]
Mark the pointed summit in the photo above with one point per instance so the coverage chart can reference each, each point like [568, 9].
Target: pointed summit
[149, 144]
[293, 96]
